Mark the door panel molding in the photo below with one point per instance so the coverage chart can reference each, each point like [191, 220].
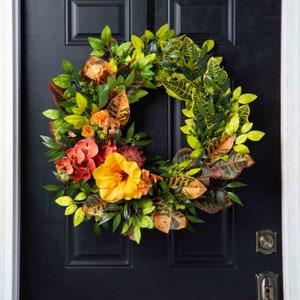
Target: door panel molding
[85, 249]
[198, 20]
[99, 13]
[184, 253]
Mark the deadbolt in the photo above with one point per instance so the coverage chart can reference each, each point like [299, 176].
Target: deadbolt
[266, 241]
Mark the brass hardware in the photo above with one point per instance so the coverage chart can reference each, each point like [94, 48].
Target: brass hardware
[266, 241]
[267, 286]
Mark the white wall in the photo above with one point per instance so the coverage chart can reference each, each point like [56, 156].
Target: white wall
[9, 209]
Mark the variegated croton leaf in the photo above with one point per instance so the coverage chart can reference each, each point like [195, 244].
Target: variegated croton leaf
[118, 108]
[230, 168]
[218, 147]
[94, 206]
[215, 201]
[189, 186]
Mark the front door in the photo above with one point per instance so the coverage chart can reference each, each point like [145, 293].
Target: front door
[220, 261]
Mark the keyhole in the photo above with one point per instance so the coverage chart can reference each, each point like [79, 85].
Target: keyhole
[266, 242]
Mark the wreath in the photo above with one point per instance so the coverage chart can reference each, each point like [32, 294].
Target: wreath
[98, 154]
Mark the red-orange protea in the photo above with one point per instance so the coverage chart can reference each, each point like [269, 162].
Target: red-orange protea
[132, 154]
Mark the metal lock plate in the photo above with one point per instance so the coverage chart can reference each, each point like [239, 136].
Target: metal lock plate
[267, 286]
[266, 241]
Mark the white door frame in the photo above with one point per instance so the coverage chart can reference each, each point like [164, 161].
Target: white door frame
[9, 152]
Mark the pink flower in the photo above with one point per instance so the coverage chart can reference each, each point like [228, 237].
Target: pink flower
[64, 168]
[79, 162]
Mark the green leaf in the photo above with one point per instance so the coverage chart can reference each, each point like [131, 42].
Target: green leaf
[52, 114]
[123, 49]
[50, 142]
[64, 201]
[141, 93]
[247, 98]
[97, 229]
[241, 139]
[237, 93]
[126, 225]
[68, 67]
[146, 222]
[76, 120]
[106, 218]
[235, 184]
[50, 187]
[193, 142]
[233, 125]
[241, 148]
[96, 43]
[162, 30]
[246, 127]
[106, 34]
[103, 94]
[235, 198]
[70, 209]
[148, 210]
[78, 216]
[81, 101]
[255, 135]
[116, 222]
[62, 80]
[129, 79]
[137, 234]
[80, 196]
[137, 42]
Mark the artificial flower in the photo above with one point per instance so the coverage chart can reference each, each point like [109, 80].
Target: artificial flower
[132, 154]
[118, 178]
[87, 131]
[97, 69]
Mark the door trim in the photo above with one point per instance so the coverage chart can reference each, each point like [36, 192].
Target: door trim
[9, 155]
[290, 147]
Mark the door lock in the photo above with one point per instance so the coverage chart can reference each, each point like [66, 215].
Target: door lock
[266, 241]
[267, 286]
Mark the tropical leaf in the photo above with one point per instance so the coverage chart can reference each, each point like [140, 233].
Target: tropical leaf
[180, 89]
[207, 173]
[132, 85]
[219, 146]
[213, 204]
[118, 108]
[178, 220]
[58, 94]
[191, 54]
[162, 217]
[94, 206]
[244, 112]
[232, 168]
[191, 187]
[182, 155]
[215, 72]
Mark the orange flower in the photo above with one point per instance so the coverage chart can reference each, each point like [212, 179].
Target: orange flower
[87, 131]
[97, 69]
[103, 120]
[117, 178]
[146, 182]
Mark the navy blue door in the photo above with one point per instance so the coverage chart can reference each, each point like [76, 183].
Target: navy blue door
[220, 261]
